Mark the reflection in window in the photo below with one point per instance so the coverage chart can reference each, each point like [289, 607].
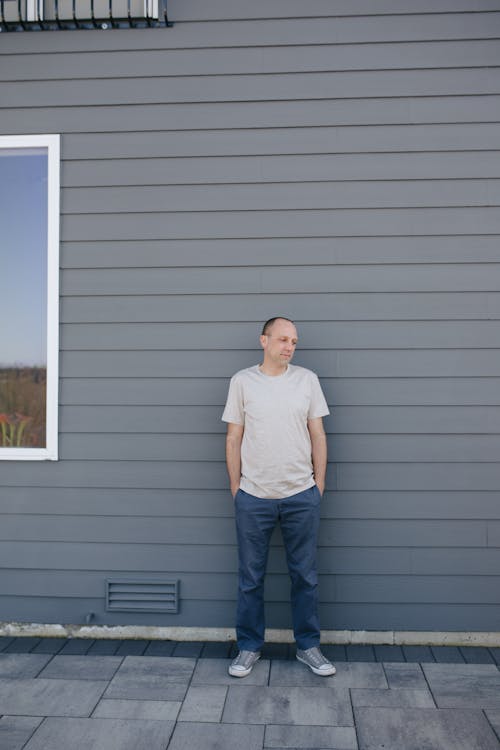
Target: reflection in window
[29, 218]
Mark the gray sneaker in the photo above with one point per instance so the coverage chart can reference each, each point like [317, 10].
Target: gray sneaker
[316, 662]
[243, 664]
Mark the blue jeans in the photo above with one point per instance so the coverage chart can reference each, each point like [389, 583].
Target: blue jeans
[255, 521]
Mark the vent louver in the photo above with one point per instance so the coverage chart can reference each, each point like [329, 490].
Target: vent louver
[125, 595]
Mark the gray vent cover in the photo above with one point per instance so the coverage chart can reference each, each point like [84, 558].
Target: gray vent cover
[133, 595]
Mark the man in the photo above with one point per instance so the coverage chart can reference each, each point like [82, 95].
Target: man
[276, 461]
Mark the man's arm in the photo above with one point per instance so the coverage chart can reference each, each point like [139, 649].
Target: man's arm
[318, 451]
[233, 455]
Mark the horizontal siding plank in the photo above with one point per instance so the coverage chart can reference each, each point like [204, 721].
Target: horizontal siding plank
[166, 531]
[279, 169]
[370, 504]
[365, 334]
[248, 60]
[347, 364]
[228, 224]
[256, 87]
[268, 114]
[343, 448]
[284, 31]
[335, 307]
[212, 475]
[284, 140]
[445, 277]
[277, 251]
[283, 196]
[344, 419]
[370, 391]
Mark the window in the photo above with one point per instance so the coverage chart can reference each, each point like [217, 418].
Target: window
[29, 292]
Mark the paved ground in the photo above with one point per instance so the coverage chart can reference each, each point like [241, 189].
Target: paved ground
[146, 695]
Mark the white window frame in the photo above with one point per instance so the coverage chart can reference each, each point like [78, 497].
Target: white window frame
[52, 144]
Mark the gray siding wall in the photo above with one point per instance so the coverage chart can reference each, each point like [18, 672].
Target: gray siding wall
[338, 163]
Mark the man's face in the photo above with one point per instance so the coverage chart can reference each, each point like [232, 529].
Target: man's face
[280, 343]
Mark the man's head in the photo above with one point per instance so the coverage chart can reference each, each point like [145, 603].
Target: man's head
[278, 340]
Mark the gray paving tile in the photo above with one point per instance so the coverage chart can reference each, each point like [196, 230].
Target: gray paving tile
[278, 651]
[130, 709]
[105, 647]
[447, 655]
[5, 641]
[101, 734]
[76, 646]
[132, 648]
[476, 655]
[401, 698]
[82, 667]
[193, 736]
[190, 649]
[405, 676]
[22, 665]
[160, 648]
[389, 653]
[495, 652]
[360, 653]
[22, 645]
[216, 650]
[50, 646]
[151, 678]
[203, 703]
[464, 685]
[49, 697]
[416, 729]
[418, 654]
[214, 672]
[288, 705]
[334, 652]
[493, 717]
[349, 674]
[15, 731]
[311, 738]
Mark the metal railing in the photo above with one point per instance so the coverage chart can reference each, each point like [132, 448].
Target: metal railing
[50, 15]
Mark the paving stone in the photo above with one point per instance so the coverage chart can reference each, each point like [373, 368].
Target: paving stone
[493, 717]
[22, 665]
[101, 734]
[464, 685]
[197, 736]
[288, 705]
[214, 672]
[216, 650]
[22, 645]
[360, 653]
[405, 676]
[447, 655]
[476, 655]
[49, 697]
[203, 703]
[5, 641]
[418, 654]
[132, 648]
[389, 653]
[15, 731]
[191, 649]
[160, 648]
[495, 652]
[104, 647]
[76, 646]
[334, 652]
[349, 674]
[151, 678]
[82, 667]
[50, 646]
[312, 738]
[130, 709]
[277, 651]
[400, 698]
[416, 729]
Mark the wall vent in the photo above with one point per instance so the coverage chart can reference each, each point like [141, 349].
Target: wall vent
[133, 595]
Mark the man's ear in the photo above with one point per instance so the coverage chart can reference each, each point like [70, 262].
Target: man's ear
[263, 341]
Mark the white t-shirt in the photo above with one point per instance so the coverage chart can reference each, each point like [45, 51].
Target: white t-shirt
[276, 457]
